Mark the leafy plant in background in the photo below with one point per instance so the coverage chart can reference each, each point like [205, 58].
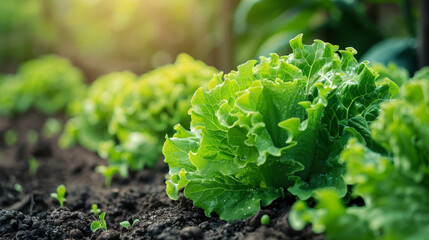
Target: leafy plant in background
[60, 194]
[93, 114]
[393, 72]
[394, 185]
[149, 110]
[47, 84]
[274, 126]
[125, 118]
[101, 224]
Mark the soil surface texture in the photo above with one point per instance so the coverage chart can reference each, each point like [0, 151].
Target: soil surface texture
[27, 211]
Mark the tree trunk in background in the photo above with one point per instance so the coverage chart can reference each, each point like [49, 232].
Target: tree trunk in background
[423, 50]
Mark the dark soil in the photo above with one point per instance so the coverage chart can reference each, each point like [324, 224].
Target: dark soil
[33, 214]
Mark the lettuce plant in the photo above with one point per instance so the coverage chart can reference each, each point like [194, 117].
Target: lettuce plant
[274, 126]
[47, 84]
[93, 114]
[148, 111]
[394, 186]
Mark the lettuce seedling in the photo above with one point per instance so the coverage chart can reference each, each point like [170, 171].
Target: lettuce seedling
[95, 210]
[11, 137]
[60, 194]
[109, 171]
[127, 224]
[101, 224]
[52, 126]
[18, 187]
[394, 186]
[274, 128]
[33, 165]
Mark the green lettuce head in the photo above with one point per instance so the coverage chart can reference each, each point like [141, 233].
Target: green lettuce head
[393, 186]
[274, 126]
[47, 84]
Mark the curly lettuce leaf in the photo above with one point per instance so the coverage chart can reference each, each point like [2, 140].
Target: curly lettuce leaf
[273, 126]
[394, 185]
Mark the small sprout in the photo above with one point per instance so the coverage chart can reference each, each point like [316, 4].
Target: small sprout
[33, 165]
[51, 127]
[265, 219]
[107, 172]
[126, 224]
[95, 210]
[18, 187]
[10, 137]
[59, 195]
[32, 136]
[99, 224]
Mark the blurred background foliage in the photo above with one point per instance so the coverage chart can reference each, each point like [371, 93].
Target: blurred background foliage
[102, 36]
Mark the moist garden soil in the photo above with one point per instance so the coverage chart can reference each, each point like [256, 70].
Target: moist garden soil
[32, 214]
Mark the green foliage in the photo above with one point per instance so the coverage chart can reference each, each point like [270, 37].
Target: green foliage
[274, 126]
[18, 187]
[101, 224]
[127, 224]
[109, 171]
[393, 186]
[10, 137]
[158, 100]
[33, 165]
[125, 118]
[60, 194]
[95, 210]
[393, 72]
[52, 126]
[93, 114]
[47, 84]
[265, 219]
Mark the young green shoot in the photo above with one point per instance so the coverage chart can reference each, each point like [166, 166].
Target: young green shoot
[17, 187]
[32, 136]
[101, 224]
[33, 165]
[107, 172]
[127, 224]
[59, 195]
[265, 219]
[95, 210]
[10, 137]
[51, 127]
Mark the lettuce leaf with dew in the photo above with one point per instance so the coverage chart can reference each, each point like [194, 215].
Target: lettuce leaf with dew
[393, 186]
[48, 84]
[274, 126]
[158, 100]
[93, 114]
